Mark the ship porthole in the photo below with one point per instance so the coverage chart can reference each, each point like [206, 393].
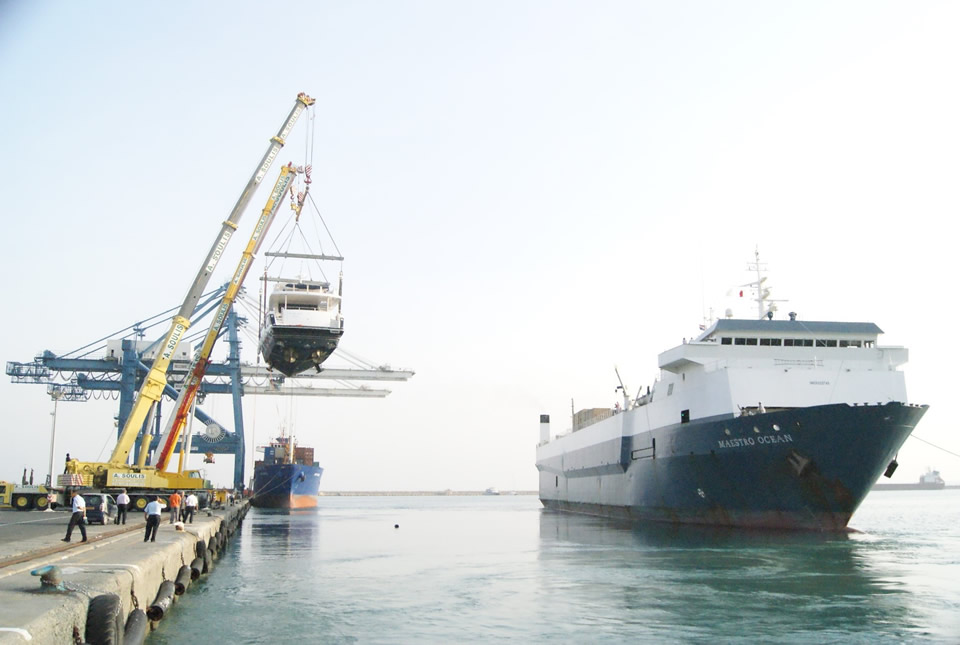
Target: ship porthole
[756, 429]
[776, 428]
[726, 431]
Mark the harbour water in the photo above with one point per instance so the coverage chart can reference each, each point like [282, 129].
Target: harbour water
[499, 569]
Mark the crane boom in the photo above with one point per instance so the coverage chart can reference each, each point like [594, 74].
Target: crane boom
[152, 389]
[177, 420]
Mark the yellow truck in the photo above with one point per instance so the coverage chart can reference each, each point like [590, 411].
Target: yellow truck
[27, 497]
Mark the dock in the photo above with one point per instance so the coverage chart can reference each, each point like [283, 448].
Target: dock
[114, 559]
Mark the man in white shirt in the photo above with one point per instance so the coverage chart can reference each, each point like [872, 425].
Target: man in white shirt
[77, 519]
[190, 507]
[122, 501]
[152, 511]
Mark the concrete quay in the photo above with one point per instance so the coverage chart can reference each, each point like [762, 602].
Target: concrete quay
[115, 559]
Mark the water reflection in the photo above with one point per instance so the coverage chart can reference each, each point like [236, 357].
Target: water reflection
[275, 533]
[687, 581]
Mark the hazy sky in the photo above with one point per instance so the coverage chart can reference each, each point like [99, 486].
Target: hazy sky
[527, 194]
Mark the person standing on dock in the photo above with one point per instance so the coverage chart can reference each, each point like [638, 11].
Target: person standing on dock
[190, 507]
[122, 501]
[78, 517]
[175, 500]
[152, 511]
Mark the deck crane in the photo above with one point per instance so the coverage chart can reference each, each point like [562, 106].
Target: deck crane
[177, 420]
[117, 472]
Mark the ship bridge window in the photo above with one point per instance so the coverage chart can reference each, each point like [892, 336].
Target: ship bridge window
[740, 341]
[770, 342]
[726, 340]
[850, 343]
[301, 307]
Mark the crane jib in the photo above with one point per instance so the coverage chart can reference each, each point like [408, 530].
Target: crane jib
[173, 340]
[294, 115]
[267, 162]
[218, 249]
[241, 274]
[191, 386]
[152, 388]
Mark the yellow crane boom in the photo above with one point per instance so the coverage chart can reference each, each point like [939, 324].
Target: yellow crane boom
[177, 419]
[152, 388]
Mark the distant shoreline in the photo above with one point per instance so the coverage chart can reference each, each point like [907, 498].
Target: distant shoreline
[419, 493]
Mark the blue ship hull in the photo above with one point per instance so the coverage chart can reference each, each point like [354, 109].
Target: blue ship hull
[800, 468]
[286, 486]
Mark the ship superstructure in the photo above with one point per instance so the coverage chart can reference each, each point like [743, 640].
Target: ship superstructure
[303, 326]
[761, 423]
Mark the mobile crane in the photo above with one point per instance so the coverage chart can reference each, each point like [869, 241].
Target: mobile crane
[117, 472]
[177, 420]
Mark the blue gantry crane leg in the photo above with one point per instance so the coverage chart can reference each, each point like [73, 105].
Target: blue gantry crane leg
[47, 367]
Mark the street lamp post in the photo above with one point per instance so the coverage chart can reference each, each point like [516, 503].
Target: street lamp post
[55, 394]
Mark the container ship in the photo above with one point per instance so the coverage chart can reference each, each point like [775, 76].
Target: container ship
[286, 477]
[758, 423]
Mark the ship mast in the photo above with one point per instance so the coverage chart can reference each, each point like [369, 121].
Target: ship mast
[765, 305]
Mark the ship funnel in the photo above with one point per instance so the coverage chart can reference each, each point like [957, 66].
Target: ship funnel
[544, 429]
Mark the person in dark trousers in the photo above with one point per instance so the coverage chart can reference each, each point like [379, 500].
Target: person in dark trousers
[152, 512]
[174, 501]
[122, 501]
[189, 507]
[78, 517]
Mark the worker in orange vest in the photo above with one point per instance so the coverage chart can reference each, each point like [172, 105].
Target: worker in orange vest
[174, 501]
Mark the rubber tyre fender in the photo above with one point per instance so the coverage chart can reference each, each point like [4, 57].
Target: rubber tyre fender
[201, 548]
[163, 602]
[104, 620]
[136, 628]
[182, 581]
[196, 568]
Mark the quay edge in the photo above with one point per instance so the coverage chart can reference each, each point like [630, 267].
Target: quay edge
[121, 564]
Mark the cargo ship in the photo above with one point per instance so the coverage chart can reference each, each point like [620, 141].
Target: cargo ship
[757, 423]
[286, 477]
[930, 480]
